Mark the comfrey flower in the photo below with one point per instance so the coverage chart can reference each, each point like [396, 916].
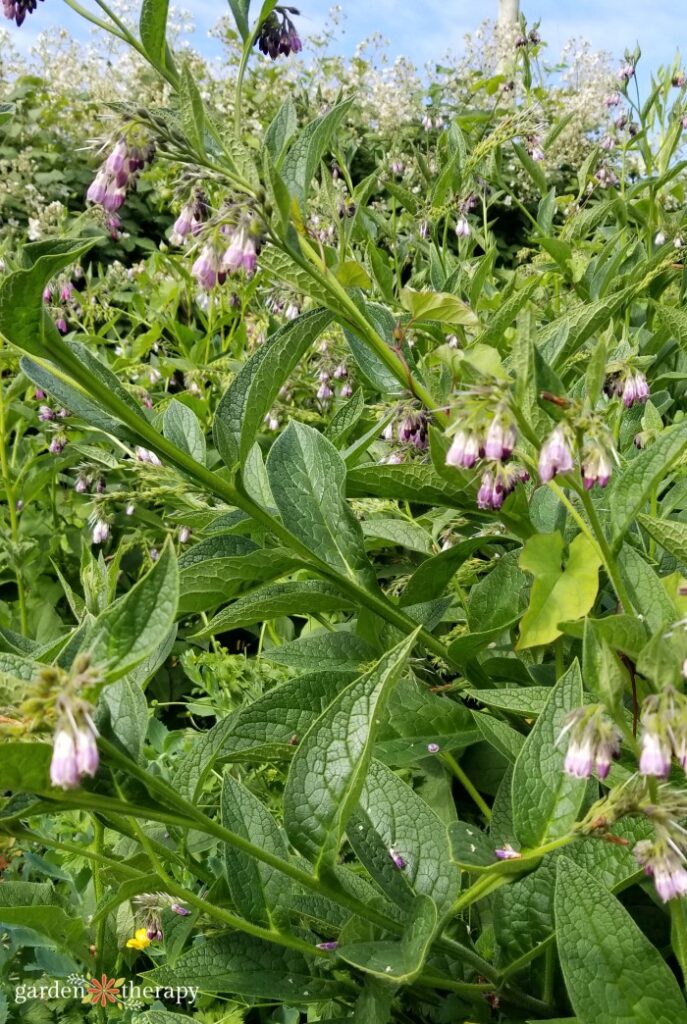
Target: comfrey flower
[145, 455]
[594, 742]
[101, 531]
[242, 253]
[496, 485]
[597, 466]
[664, 732]
[397, 860]
[118, 173]
[464, 451]
[413, 430]
[663, 861]
[463, 227]
[501, 438]
[207, 269]
[191, 218]
[75, 748]
[506, 852]
[279, 36]
[16, 10]
[628, 384]
[625, 72]
[556, 454]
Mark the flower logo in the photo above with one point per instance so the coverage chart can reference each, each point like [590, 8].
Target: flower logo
[104, 991]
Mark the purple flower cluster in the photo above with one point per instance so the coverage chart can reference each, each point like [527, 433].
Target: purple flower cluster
[277, 35]
[497, 484]
[594, 743]
[413, 429]
[118, 174]
[496, 443]
[630, 385]
[192, 216]
[216, 260]
[75, 748]
[664, 733]
[16, 10]
[556, 453]
[663, 861]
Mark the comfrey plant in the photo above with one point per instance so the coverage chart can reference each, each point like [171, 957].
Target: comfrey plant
[344, 626]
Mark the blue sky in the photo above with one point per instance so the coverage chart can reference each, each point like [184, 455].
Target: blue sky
[425, 30]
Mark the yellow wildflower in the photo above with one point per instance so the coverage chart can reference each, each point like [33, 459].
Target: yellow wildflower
[140, 940]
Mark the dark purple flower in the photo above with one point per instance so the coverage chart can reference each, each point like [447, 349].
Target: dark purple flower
[16, 10]
[398, 861]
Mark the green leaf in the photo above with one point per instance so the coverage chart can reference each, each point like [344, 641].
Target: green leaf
[301, 597]
[328, 770]
[181, 427]
[65, 932]
[596, 371]
[309, 147]
[281, 130]
[560, 592]
[128, 711]
[612, 972]
[25, 767]
[257, 890]
[251, 394]
[671, 534]
[392, 815]
[239, 8]
[646, 591]
[242, 965]
[601, 668]
[323, 650]
[398, 532]
[307, 477]
[130, 629]
[153, 30]
[345, 419]
[211, 573]
[499, 735]
[415, 481]
[397, 962]
[527, 701]
[23, 319]
[496, 604]
[546, 801]
[440, 307]
[630, 490]
[431, 578]
[532, 167]
[192, 110]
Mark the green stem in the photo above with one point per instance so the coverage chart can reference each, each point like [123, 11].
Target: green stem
[610, 563]
[78, 851]
[219, 913]
[467, 784]
[12, 511]
[98, 839]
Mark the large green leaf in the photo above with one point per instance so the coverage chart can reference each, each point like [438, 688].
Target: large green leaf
[413, 481]
[612, 972]
[391, 815]
[438, 306]
[130, 629]
[328, 770]
[257, 890]
[398, 962]
[181, 427]
[250, 395]
[308, 148]
[153, 29]
[671, 534]
[23, 318]
[630, 490]
[242, 965]
[560, 593]
[307, 477]
[300, 597]
[546, 801]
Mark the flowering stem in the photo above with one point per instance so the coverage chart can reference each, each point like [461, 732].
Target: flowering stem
[98, 836]
[467, 784]
[12, 512]
[98, 858]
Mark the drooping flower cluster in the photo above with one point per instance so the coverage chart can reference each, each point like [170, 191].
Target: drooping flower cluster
[16, 10]
[493, 437]
[629, 385]
[217, 259]
[663, 861]
[594, 742]
[664, 732]
[119, 173]
[277, 35]
[75, 747]
[192, 216]
[557, 454]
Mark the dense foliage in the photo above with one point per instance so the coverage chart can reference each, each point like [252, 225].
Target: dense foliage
[343, 617]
